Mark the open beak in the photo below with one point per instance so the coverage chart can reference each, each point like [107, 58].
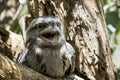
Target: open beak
[50, 34]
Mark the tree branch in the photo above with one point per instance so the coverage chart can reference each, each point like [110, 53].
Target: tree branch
[11, 44]
[10, 70]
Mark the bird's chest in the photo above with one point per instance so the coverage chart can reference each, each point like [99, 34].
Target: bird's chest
[48, 62]
[52, 57]
[53, 62]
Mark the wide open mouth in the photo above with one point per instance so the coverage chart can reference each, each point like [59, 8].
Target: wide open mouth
[50, 34]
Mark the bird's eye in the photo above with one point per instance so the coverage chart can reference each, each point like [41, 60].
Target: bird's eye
[58, 24]
[42, 25]
[39, 26]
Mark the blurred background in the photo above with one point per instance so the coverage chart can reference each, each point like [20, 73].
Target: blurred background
[11, 10]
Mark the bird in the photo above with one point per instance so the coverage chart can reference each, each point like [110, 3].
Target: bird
[47, 50]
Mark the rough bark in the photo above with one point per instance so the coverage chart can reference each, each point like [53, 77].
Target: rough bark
[86, 31]
[11, 44]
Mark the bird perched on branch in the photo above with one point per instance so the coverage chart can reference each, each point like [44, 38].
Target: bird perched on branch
[47, 50]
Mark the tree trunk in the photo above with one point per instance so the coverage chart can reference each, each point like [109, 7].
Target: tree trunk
[85, 30]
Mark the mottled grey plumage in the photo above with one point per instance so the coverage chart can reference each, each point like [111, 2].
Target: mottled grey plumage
[47, 50]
